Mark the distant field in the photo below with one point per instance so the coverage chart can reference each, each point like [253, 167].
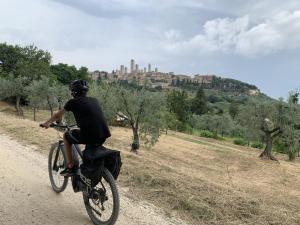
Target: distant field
[203, 180]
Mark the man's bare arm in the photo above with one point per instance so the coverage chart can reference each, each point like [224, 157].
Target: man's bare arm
[56, 116]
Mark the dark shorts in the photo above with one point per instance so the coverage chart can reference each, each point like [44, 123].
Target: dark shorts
[74, 136]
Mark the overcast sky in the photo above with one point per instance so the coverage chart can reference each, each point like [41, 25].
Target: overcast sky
[256, 41]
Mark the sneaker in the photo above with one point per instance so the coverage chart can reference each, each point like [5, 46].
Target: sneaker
[68, 172]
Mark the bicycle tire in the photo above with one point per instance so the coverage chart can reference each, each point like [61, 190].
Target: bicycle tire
[53, 150]
[116, 201]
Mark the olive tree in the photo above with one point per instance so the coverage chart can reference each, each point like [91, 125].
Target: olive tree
[22, 65]
[273, 120]
[41, 93]
[61, 93]
[144, 111]
[12, 87]
[35, 96]
[290, 137]
[218, 124]
[107, 96]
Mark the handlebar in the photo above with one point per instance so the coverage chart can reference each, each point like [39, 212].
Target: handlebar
[53, 125]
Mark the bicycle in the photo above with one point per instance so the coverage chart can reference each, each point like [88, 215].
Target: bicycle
[95, 177]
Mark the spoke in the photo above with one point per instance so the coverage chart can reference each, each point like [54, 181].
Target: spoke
[98, 213]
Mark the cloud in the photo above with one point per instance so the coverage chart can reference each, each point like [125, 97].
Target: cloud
[128, 8]
[239, 36]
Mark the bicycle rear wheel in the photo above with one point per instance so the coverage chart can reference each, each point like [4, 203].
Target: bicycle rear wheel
[103, 204]
[56, 163]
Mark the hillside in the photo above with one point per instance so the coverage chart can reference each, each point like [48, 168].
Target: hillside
[216, 83]
[203, 180]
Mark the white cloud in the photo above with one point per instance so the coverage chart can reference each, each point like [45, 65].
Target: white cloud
[225, 35]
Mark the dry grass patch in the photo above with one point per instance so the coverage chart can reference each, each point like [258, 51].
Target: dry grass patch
[204, 181]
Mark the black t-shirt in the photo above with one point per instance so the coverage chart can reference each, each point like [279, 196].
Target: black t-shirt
[89, 117]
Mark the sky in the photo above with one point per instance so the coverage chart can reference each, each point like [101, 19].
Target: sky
[256, 41]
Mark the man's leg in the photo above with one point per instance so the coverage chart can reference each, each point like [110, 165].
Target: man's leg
[68, 148]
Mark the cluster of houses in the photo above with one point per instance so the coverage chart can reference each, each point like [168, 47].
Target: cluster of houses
[154, 78]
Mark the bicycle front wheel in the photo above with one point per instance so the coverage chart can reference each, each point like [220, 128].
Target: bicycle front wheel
[56, 163]
[103, 204]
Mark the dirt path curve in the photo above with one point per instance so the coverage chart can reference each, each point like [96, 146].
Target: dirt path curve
[27, 198]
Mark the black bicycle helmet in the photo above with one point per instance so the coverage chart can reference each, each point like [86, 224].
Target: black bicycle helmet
[78, 87]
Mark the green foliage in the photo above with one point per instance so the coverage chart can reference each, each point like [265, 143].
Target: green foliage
[43, 93]
[258, 145]
[177, 103]
[144, 112]
[217, 124]
[233, 110]
[207, 134]
[227, 84]
[9, 56]
[171, 121]
[289, 120]
[217, 83]
[199, 103]
[65, 74]
[36, 93]
[108, 98]
[62, 94]
[12, 87]
[240, 141]
[21, 66]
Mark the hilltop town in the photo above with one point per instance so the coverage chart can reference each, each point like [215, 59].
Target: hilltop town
[169, 80]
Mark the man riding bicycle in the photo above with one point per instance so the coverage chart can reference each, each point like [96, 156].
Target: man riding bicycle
[89, 117]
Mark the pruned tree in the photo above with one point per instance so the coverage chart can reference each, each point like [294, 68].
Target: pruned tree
[144, 112]
[35, 95]
[262, 118]
[42, 93]
[12, 87]
[272, 120]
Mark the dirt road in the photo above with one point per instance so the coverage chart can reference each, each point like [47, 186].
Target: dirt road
[27, 198]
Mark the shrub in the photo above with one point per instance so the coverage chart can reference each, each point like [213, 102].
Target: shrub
[206, 133]
[240, 141]
[258, 145]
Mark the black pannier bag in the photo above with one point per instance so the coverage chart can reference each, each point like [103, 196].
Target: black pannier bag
[93, 155]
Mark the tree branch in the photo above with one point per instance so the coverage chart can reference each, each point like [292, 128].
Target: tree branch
[277, 134]
[131, 120]
[124, 117]
[274, 130]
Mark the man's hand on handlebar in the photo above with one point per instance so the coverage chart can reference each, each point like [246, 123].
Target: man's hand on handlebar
[56, 117]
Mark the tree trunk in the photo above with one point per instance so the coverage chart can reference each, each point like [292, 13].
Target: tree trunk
[136, 140]
[59, 105]
[267, 153]
[50, 106]
[34, 114]
[292, 155]
[18, 108]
